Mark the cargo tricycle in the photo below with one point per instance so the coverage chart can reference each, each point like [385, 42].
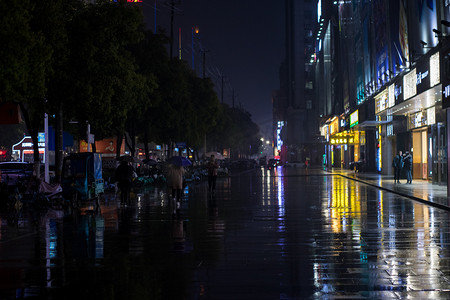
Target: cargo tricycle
[82, 177]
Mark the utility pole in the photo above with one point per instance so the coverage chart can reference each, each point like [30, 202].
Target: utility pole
[59, 143]
[204, 62]
[192, 49]
[172, 12]
[155, 19]
[195, 31]
[233, 98]
[179, 43]
[221, 90]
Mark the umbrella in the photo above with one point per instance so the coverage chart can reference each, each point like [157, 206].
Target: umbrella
[179, 161]
[150, 162]
[217, 155]
[129, 158]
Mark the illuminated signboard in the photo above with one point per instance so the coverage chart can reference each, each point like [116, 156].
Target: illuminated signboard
[391, 96]
[319, 10]
[410, 84]
[385, 99]
[390, 130]
[435, 76]
[423, 76]
[279, 140]
[381, 101]
[354, 120]
[324, 130]
[418, 119]
[24, 149]
[431, 116]
[446, 94]
[344, 138]
[338, 141]
[398, 90]
[334, 126]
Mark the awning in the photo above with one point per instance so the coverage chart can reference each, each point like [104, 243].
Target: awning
[369, 124]
[417, 103]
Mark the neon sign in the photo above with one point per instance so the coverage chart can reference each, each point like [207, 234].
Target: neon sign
[354, 120]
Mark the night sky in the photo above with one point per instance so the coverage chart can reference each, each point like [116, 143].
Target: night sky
[244, 40]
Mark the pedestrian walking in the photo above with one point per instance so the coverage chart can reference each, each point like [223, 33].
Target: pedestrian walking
[175, 182]
[212, 167]
[124, 176]
[397, 163]
[407, 165]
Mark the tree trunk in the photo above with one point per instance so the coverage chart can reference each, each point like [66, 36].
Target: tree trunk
[147, 154]
[32, 128]
[130, 139]
[128, 143]
[119, 144]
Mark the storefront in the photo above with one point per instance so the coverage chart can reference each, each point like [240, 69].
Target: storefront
[386, 146]
[334, 150]
[345, 147]
[345, 143]
[418, 104]
[324, 132]
[355, 147]
[23, 150]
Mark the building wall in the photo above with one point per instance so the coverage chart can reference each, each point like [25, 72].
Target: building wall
[301, 18]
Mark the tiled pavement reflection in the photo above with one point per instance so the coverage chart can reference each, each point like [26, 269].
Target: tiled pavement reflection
[421, 190]
[283, 234]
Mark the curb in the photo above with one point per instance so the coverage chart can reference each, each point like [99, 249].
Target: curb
[423, 201]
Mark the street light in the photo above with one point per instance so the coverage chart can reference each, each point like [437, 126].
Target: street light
[195, 30]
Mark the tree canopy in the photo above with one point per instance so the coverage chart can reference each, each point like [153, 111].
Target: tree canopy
[96, 63]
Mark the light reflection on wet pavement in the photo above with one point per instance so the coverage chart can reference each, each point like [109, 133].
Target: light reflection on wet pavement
[263, 235]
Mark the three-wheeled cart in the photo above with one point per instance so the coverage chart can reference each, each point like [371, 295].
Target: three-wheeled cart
[82, 177]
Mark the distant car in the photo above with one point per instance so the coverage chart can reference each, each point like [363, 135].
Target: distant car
[262, 161]
[12, 171]
[244, 164]
[294, 164]
[272, 163]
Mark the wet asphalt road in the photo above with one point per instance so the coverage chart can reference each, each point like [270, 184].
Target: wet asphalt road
[283, 234]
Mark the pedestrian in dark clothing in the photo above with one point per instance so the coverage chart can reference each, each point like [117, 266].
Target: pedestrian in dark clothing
[124, 176]
[407, 165]
[212, 167]
[397, 163]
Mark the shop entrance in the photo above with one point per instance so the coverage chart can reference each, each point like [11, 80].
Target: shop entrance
[420, 154]
[438, 153]
[337, 156]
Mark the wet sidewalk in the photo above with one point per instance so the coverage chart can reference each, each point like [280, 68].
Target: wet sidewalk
[286, 233]
[420, 190]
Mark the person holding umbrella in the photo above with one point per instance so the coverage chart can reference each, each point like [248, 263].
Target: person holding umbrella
[175, 178]
[212, 167]
[124, 176]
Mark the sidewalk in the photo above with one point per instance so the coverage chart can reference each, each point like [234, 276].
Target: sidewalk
[420, 190]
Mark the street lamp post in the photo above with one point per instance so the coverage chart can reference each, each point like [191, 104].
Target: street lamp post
[194, 31]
